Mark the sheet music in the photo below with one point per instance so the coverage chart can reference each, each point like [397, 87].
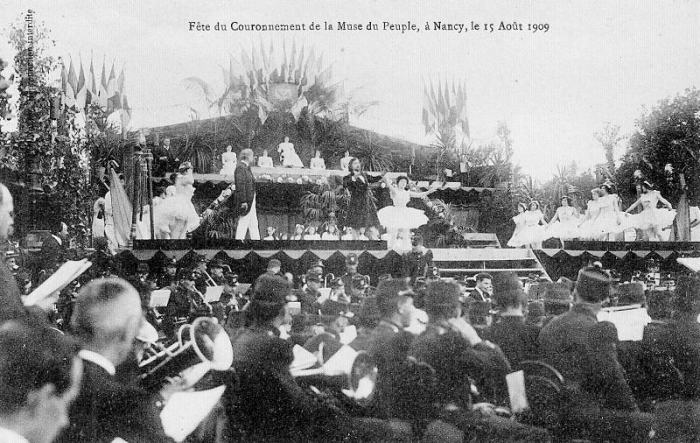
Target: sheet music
[630, 323]
[186, 410]
[213, 293]
[516, 391]
[159, 298]
[68, 272]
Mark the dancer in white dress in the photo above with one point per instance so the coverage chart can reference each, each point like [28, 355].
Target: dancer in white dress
[178, 212]
[607, 223]
[652, 220]
[585, 227]
[289, 156]
[694, 223]
[398, 219]
[532, 232]
[228, 161]
[564, 224]
[519, 221]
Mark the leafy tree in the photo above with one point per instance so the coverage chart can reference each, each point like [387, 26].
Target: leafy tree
[609, 137]
[668, 133]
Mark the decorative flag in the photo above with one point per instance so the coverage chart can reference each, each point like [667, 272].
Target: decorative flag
[81, 93]
[71, 86]
[102, 91]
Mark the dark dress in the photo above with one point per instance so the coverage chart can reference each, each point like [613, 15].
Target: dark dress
[362, 209]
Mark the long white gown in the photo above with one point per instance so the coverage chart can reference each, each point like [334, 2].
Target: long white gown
[289, 156]
[531, 232]
[566, 226]
[178, 208]
[651, 217]
[229, 162]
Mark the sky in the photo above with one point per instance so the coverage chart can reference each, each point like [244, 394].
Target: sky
[600, 61]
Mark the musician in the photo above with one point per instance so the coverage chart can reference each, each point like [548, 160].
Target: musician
[517, 340]
[454, 349]
[185, 304]
[40, 375]
[415, 264]
[309, 296]
[585, 352]
[169, 276]
[351, 263]
[216, 271]
[266, 403]
[201, 276]
[11, 305]
[484, 288]
[106, 321]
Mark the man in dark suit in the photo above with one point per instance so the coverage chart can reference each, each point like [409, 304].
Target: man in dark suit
[106, 320]
[11, 306]
[40, 375]
[601, 405]
[165, 161]
[243, 200]
[53, 249]
[517, 340]
[484, 287]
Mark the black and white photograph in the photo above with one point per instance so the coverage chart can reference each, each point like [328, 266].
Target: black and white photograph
[349, 221]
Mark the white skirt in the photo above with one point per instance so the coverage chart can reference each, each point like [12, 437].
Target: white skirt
[392, 217]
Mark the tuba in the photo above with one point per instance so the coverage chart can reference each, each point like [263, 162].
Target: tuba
[203, 341]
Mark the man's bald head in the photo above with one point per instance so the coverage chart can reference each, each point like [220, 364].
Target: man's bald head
[107, 316]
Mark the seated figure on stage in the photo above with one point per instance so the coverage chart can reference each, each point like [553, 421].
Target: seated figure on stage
[270, 234]
[288, 155]
[652, 220]
[265, 161]
[564, 224]
[345, 162]
[399, 219]
[228, 162]
[298, 232]
[331, 233]
[317, 162]
[348, 234]
[362, 234]
[178, 214]
[311, 234]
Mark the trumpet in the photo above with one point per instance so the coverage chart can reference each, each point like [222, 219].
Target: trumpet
[204, 341]
[210, 281]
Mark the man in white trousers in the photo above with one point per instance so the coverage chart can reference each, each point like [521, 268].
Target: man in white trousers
[244, 198]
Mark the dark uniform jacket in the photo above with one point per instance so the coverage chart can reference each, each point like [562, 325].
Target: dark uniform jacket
[245, 189]
[11, 306]
[585, 352]
[165, 161]
[106, 409]
[52, 253]
[455, 361]
[517, 340]
[415, 264]
[266, 404]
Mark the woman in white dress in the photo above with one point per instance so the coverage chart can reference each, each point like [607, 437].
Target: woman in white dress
[564, 224]
[519, 221]
[98, 218]
[265, 161]
[317, 162]
[652, 220]
[178, 213]
[311, 234]
[585, 227]
[331, 233]
[607, 224]
[228, 161]
[398, 219]
[532, 232]
[289, 156]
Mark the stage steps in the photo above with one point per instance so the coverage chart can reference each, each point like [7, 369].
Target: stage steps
[460, 263]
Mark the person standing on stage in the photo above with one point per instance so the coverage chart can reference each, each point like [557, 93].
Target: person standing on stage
[362, 210]
[244, 198]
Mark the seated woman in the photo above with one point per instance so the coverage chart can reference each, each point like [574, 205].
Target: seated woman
[311, 234]
[298, 232]
[348, 234]
[331, 233]
[270, 234]
[317, 162]
[289, 157]
[228, 161]
[265, 161]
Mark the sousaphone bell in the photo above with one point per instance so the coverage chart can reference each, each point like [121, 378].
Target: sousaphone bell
[202, 341]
